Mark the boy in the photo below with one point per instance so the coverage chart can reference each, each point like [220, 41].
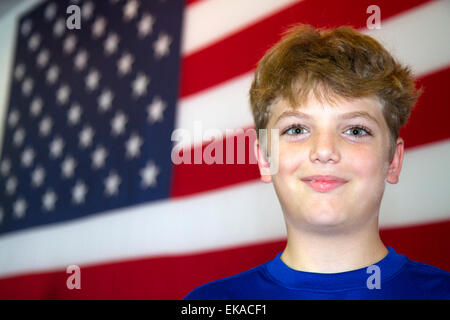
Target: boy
[337, 100]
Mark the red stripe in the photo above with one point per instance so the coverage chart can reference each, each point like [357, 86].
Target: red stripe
[423, 127]
[429, 119]
[194, 178]
[240, 52]
[173, 277]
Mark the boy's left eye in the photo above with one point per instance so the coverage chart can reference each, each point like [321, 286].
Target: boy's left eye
[359, 129]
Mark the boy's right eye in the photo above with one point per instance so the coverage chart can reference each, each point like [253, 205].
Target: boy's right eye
[293, 130]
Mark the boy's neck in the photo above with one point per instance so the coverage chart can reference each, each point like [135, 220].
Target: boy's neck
[322, 253]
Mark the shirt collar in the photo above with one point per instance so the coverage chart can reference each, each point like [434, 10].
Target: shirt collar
[288, 277]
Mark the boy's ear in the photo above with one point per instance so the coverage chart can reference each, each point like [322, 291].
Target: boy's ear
[396, 164]
[263, 163]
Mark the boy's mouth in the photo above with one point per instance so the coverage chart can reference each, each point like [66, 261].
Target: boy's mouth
[323, 183]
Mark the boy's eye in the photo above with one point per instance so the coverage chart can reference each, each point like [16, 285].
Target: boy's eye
[355, 131]
[295, 130]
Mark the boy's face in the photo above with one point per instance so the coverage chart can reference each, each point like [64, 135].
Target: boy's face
[329, 143]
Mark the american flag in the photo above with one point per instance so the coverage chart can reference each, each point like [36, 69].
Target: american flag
[91, 111]
[86, 171]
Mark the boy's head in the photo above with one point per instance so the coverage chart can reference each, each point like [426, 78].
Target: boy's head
[332, 63]
[338, 100]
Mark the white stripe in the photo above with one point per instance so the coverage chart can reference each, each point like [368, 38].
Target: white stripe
[208, 222]
[209, 21]
[223, 107]
[422, 192]
[226, 106]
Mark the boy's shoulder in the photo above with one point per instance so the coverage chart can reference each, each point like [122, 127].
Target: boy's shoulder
[432, 281]
[226, 288]
[420, 269]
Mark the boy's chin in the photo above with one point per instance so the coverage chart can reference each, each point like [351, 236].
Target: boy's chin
[324, 222]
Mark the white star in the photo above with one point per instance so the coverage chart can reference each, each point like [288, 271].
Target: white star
[86, 136]
[98, 27]
[99, 157]
[130, 10]
[92, 80]
[11, 185]
[20, 207]
[36, 106]
[74, 114]
[56, 147]
[37, 176]
[5, 167]
[118, 124]
[105, 100]
[80, 60]
[155, 110]
[145, 25]
[124, 64]
[50, 11]
[48, 200]
[87, 10]
[79, 192]
[112, 183]
[43, 58]
[52, 74]
[27, 157]
[19, 71]
[59, 27]
[70, 43]
[18, 137]
[13, 118]
[45, 126]
[26, 27]
[27, 86]
[68, 167]
[63, 94]
[140, 85]
[111, 43]
[34, 41]
[133, 146]
[162, 45]
[148, 175]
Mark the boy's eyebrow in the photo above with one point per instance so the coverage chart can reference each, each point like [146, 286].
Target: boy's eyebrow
[360, 114]
[348, 115]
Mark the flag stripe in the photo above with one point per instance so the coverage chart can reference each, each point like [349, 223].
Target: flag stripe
[203, 28]
[424, 243]
[160, 228]
[227, 62]
[421, 121]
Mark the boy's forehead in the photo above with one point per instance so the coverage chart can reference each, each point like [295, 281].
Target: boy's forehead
[335, 107]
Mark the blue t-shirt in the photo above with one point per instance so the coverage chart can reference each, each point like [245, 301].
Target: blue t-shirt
[394, 277]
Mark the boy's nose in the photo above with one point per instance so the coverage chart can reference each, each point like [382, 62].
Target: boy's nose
[324, 148]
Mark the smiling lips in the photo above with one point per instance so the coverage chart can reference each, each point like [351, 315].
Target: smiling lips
[322, 183]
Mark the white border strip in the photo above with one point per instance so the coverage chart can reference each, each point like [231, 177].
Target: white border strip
[238, 215]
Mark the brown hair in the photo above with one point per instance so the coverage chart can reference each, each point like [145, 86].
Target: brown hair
[341, 63]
